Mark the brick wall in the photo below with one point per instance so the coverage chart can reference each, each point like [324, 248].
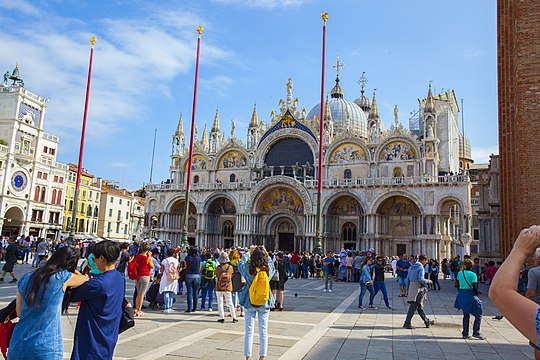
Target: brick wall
[518, 43]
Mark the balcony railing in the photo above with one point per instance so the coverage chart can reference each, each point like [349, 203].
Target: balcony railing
[329, 183]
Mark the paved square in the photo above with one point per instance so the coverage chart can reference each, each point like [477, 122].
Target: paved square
[315, 325]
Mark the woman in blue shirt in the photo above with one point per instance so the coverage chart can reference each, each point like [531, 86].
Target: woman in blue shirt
[366, 283]
[256, 259]
[193, 278]
[38, 334]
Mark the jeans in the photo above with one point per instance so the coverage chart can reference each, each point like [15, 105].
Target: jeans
[180, 287]
[208, 291]
[168, 299]
[381, 286]
[363, 289]
[26, 252]
[435, 280]
[35, 262]
[328, 279]
[225, 296]
[294, 270]
[192, 286]
[304, 271]
[356, 275]
[476, 324]
[288, 268]
[412, 309]
[251, 313]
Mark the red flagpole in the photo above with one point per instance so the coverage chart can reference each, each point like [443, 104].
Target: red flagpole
[191, 136]
[318, 234]
[73, 224]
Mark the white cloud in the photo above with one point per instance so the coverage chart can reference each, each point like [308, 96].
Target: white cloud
[217, 84]
[474, 53]
[20, 5]
[134, 59]
[480, 155]
[267, 4]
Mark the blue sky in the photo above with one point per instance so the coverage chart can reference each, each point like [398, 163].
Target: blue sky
[145, 56]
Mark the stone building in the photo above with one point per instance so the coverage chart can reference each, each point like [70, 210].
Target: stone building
[32, 183]
[518, 44]
[114, 212]
[383, 188]
[489, 217]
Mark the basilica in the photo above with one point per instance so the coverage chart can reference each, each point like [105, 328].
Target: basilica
[397, 190]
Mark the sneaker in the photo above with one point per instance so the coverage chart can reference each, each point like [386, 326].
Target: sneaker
[330, 290]
[373, 307]
[13, 281]
[234, 320]
[1, 280]
[479, 337]
[429, 323]
[408, 326]
[466, 337]
[389, 307]
[323, 290]
[361, 307]
[221, 321]
[210, 309]
[187, 311]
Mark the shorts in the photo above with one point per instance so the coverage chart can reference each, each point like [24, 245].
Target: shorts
[8, 266]
[402, 281]
[142, 285]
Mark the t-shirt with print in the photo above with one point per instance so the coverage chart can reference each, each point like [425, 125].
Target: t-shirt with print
[534, 282]
[470, 277]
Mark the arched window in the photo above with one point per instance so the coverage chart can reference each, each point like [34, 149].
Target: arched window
[348, 232]
[96, 211]
[59, 197]
[196, 179]
[347, 174]
[53, 198]
[228, 229]
[36, 194]
[43, 194]
[232, 178]
[89, 211]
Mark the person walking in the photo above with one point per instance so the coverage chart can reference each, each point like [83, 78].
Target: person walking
[378, 282]
[329, 271]
[277, 282]
[254, 261]
[366, 284]
[357, 265]
[417, 292]
[394, 266]
[101, 297]
[38, 334]
[144, 266]
[10, 257]
[193, 279]
[237, 281]
[434, 274]
[468, 301]
[168, 286]
[349, 263]
[402, 267]
[224, 274]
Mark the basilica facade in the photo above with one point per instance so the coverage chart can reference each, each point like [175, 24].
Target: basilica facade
[394, 189]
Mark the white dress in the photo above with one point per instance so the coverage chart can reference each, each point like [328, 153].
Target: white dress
[166, 284]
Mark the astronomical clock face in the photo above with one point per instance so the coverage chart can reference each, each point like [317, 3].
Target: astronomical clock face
[19, 181]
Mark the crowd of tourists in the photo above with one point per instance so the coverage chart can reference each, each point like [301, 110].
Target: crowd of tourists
[249, 281]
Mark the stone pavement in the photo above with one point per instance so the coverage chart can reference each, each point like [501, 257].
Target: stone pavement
[315, 325]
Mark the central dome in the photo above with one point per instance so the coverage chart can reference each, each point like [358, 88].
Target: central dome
[345, 113]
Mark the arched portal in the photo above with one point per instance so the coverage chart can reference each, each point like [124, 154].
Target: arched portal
[344, 221]
[285, 231]
[220, 223]
[398, 221]
[177, 215]
[13, 220]
[452, 226]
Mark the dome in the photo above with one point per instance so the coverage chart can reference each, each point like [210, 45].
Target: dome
[344, 112]
[467, 147]
[363, 102]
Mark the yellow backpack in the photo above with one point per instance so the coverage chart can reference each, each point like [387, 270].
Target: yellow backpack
[259, 291]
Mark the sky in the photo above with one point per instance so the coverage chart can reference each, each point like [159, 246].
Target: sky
[144, 65]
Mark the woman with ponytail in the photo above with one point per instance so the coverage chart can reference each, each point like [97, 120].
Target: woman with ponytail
[38, 334]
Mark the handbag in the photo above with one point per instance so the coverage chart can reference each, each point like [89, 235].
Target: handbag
[6, 330]
[475, 290]
[127, 320]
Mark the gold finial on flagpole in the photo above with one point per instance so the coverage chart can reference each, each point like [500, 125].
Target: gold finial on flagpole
[324, 17]
[199, 30]
[92, 41]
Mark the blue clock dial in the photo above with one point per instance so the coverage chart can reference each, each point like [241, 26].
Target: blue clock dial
[18, 181]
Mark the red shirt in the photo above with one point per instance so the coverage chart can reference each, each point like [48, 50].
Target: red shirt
[294, 259]
[490, 272]
[144, 268]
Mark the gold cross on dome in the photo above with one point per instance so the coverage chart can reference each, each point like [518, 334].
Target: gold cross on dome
[338, 65]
